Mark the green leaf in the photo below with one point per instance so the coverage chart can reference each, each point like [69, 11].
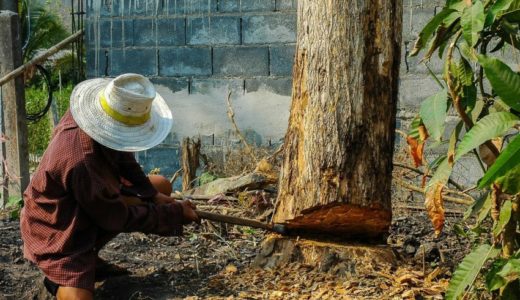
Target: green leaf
[467, 270]
[429, 29]
[512, 16]
[509, 157]
[493, 281]
[484, 212]
[414, 128]
[472, 22]
[454, 138]
[443, 34]
[504, 217]
[510, 271]
[504, 81]
[456, 4]
[441, 175]
[478, 205]
[465, 72]
[433, 114]
[498, 7]
[510, 182]
[487, 128]
[467, 51]
[14, 202]
[477, 110]
[469, 97]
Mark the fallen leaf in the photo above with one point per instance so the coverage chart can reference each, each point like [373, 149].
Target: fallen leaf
[230, 269]
[407, 278]
[433, 275]
[410, 294]
[435, 206]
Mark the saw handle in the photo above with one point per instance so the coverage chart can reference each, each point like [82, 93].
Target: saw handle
[233, 220]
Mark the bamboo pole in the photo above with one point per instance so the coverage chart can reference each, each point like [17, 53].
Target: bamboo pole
[42, 57]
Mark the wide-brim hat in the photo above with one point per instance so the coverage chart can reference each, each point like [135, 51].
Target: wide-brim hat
[124, 113]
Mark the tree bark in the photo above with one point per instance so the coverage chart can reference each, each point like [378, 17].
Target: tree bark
[336, 173]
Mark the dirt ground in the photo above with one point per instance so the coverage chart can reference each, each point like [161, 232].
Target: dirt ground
[214, 262]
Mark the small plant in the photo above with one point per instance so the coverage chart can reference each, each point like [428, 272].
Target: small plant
[467, 35]
[14, 206]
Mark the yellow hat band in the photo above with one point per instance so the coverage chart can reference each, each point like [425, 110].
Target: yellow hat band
[127, 120]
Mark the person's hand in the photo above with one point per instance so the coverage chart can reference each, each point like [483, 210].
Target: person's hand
[188, 211]
[163, 199]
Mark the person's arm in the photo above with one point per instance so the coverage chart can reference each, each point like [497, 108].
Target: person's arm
[102, 203]
[130, 170]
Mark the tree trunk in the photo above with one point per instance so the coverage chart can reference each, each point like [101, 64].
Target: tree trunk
[336, 173]
[190, 162]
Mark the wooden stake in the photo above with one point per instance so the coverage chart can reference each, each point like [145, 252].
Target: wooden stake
[190, 162]
[16, 155]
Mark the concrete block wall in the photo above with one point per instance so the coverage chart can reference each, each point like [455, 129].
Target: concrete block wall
[179, 42]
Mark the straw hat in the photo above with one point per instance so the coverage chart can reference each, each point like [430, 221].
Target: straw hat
[124, 113]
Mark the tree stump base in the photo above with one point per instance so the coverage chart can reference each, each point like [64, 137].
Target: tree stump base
[339, 258]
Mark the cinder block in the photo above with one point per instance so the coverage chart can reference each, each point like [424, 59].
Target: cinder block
[122, 33]
[239, 61]
[213, 30]
[286, 4]
[257, 5]
[144, 32]
[281, 86]
[174, 84]
[185, 61]
[139, 7]
[98, 32]
[141, 61]
[122, 8]
[280, 28]
[91, 64]
[89, 33]
[413, 65]
[228, 5]
[182, 7]
[171, 32]
[210, 85]
[414, 21]
[166, 157]
[422, 4]
[413, 89]
[97, 62]
[103, 8]
[282, 60]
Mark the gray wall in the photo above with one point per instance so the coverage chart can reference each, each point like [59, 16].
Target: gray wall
[195, 44]
[195, 50]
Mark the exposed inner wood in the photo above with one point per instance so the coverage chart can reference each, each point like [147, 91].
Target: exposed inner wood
[343, 219]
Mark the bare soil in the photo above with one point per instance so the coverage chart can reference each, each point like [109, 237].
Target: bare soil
[214, 262]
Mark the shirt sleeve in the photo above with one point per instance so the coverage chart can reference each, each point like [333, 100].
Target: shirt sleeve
[101, 202]
[130, 170]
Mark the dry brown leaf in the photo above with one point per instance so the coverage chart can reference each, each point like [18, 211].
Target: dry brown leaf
[496, 201]
[486, 155]
[433, 274]
[230, 269]
[409, 294]
[435, 206]
[407, 278]
[416, 150]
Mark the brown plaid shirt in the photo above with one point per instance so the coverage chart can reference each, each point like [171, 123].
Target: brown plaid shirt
[74, 201]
